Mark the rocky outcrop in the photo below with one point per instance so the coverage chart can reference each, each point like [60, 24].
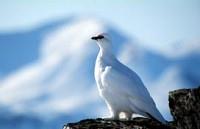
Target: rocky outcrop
[185, 109]
[136, 123]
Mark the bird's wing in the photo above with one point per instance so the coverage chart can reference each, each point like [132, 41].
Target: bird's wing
[127, 84]
[132, 87]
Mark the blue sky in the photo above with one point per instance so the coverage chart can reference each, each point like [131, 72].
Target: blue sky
[156, 23]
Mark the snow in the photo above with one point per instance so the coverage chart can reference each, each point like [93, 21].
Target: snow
[49, 76]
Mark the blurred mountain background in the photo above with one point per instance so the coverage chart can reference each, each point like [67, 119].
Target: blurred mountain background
[47, 66]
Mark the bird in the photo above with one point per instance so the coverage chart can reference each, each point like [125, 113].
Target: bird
[120, 87]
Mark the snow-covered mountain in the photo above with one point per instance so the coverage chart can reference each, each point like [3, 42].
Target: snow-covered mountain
[51, 79]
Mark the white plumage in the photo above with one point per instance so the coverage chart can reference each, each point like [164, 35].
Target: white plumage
[120, 87]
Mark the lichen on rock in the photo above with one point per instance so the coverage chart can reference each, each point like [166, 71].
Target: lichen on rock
[185, 108]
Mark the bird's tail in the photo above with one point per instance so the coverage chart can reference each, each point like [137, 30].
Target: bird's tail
[157, 117]
[149, 111]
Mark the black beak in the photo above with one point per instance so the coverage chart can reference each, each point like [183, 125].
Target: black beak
[94, 38]
[97, 37]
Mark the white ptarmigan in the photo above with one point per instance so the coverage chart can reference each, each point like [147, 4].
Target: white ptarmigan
[120, 87]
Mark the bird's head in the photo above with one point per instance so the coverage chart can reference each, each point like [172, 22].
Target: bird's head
[103, 40]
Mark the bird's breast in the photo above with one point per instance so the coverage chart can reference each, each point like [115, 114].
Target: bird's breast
[99, 68]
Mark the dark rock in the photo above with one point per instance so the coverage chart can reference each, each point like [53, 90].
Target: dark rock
[136, 123]
[185, 108]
